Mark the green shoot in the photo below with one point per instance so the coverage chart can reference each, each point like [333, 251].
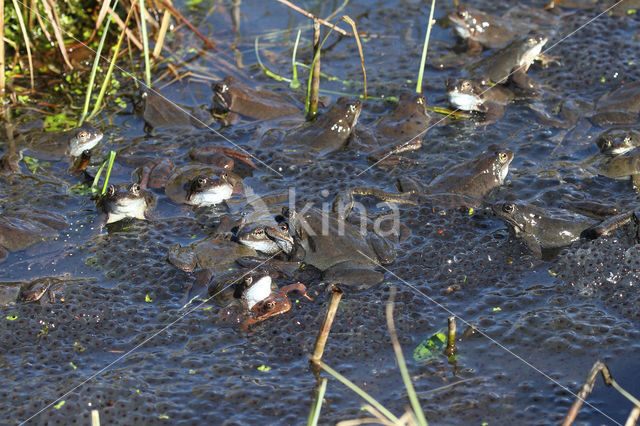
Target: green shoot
[348, 383]
[266, 70]
[425, 47]
[314, 415]
[112, 156]
[145, 43]
[294, 81]
[105, 82]
[94, 69]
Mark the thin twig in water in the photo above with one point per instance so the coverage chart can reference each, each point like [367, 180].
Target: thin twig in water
[321, 340]
[180, 16]
[312, 16]
[26, 43]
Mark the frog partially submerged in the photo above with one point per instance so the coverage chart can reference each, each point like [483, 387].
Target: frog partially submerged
[408, 119]
[213, 253]
[472, 180]
[511, 63]
[23, 228]
[201, 185]
[328, 133]
[43, 290]
[58, 145]
[542, 232]
[122, 202]
[618, 140]
[620, 106]
[469, 95]
[231, 95]
[623, 167]
[262, 301]
[343, 252]
[267, 239]
[480, 29]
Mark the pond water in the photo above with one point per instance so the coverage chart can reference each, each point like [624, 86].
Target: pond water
[120, 342]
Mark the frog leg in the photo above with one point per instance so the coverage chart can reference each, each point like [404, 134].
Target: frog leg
[295, 287]
[524, 81]
[607, 226]
[352, 275]
[493, 112]
[545, 59]
[242, 156]
[384, 152]
[533, 244]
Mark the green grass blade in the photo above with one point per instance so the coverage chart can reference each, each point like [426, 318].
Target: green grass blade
[112, 156]
[266, 70]
[294, 81]
[96, 179]
[107, 79]
[402, 364]
[315, 410]
[348, 383]
[96, 61]
[424, 48]
[145, 44]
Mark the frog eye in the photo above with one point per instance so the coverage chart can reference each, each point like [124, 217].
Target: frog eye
[283, 226]
[531, 41]
[202, 181]
[83, 135]
[507, 208]
[466, 85]
[222, 88]
[270, 305]
[135, 189]
[259, 232]
[224, 176]
[503, 156]
[627, 139]
[111, 190]
[248, 280]
[463, 14]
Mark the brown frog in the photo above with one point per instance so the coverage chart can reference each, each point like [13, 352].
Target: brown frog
[261, 301]
[330, 132]
[23, 228]
[230, 95]
[620, 106]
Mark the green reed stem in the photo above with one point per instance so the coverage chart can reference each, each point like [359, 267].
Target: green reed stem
[348, 383]
[145, 45]
[314, 415]
[94, 68]
[266, 70]
[294, 81]
[425, 47]
[112, 156]
[107, 79]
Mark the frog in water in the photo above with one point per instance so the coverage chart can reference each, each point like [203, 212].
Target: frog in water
[623, 167]
[267, 239]
[480, 29]
[231, 95]
[201, 185]
[328, 133]
[511, 63]
[465, 184]
[469, 95]
[338, 248]
[23, 228]
[541, 232]
[122, 202]
[408, 119]
[58, 145]
[261, 301]
[620, 106]
[618, 140]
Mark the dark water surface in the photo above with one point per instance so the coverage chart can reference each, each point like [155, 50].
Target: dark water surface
[551, 319]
